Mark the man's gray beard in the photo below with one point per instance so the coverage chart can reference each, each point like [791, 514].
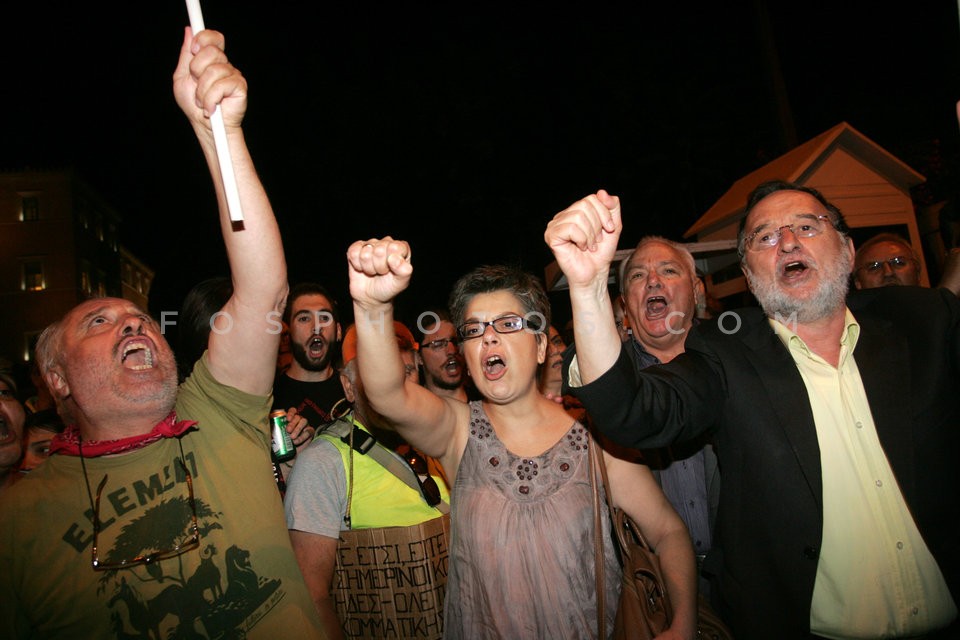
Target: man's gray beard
[829, 297]
[162, 397]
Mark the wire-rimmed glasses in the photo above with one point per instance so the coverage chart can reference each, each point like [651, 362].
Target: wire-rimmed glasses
[192, 541]
[806, 225]
[896, 263]
[440, 344]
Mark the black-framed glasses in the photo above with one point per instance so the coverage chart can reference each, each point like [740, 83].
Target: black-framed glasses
[192, 541]
[896, 263]
[428, 486]
[440, 344]
[806, 225]
[504, 324]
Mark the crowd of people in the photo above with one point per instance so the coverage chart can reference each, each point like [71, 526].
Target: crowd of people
[790, 462]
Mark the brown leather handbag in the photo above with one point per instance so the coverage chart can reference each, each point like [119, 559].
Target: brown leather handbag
[644, 609]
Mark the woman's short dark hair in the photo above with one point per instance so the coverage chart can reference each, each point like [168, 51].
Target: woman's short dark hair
[489, 278]
[44, 420]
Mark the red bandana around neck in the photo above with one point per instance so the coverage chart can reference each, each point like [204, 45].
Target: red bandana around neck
[68, 441]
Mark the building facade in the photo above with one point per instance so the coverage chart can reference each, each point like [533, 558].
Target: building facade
[59, 245]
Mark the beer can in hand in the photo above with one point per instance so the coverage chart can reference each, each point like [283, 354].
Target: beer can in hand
[281, 443]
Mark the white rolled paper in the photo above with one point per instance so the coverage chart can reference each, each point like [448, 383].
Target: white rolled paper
[219, 132]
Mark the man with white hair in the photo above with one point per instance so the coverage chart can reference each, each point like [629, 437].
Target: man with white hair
[883, 260]
[836, 422]
[660, 291]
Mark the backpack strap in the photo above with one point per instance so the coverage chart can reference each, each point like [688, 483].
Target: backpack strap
[364, 443]
[352, 435]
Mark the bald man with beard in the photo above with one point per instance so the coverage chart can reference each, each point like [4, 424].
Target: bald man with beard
[157, 507]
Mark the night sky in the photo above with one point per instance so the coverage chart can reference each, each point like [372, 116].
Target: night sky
[462, 127]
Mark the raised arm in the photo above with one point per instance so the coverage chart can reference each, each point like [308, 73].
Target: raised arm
[379, 271]
[583, 238]
[243, 349]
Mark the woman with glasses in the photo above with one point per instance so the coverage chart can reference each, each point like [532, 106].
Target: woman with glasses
[522, 556]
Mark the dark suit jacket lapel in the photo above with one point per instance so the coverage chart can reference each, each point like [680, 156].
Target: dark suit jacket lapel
[786, 393]
[884, 368]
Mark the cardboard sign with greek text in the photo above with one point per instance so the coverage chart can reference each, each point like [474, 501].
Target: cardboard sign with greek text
[390, 581]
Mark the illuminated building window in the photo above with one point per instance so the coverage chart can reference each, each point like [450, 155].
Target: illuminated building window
[31, 276]
[29, 209]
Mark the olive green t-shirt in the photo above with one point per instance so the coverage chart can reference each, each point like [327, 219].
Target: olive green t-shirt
[241, 581]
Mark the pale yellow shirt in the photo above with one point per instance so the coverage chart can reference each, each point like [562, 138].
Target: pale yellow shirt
[876, 578]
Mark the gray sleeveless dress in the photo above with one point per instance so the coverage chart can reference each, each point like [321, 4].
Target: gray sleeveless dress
[521, 557]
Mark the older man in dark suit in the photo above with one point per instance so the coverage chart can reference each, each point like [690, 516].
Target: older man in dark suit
[836, 421]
